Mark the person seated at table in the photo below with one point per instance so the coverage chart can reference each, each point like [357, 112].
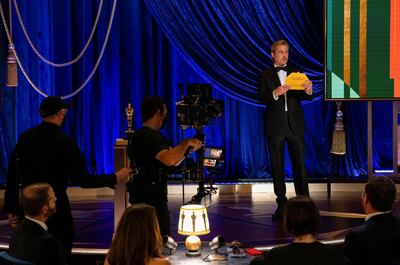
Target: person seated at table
[30, 240]
[137, 240]
[301, 220]
[375, 242]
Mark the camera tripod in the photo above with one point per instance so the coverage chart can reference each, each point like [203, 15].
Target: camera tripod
[205, 187]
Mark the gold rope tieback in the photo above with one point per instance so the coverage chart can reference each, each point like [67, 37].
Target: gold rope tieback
[339, 135]
[12, 68]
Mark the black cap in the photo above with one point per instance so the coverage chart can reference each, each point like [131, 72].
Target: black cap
[51, 105]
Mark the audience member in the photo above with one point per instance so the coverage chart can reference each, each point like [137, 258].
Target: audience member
[301, 219]
[377, 240]
[30, 241]
[137, 240]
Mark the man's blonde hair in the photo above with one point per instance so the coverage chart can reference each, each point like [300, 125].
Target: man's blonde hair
[278, 43]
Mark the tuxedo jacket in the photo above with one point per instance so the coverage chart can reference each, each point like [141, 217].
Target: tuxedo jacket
[275, 111]
[314, 253]
[31, 242]
[375, 242]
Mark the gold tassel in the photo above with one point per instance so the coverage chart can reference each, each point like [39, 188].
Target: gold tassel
[12, 68]
[339, 136]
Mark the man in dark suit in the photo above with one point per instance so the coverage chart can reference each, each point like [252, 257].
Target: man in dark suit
[284, 122]
[376, 242]
[30, 241]
[46, 154]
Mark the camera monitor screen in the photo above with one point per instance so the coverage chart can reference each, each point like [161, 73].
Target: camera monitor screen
[362, 53]
[212, 152]
[210, 162]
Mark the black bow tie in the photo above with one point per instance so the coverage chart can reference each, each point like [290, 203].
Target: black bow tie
[278, 68]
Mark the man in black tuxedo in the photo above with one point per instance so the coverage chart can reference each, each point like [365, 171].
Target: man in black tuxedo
[30, 241]
[284, 122]
[377, 240]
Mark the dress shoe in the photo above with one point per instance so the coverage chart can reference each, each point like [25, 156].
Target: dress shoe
[278, 215]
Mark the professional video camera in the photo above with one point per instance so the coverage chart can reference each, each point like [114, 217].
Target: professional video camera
[197, 108]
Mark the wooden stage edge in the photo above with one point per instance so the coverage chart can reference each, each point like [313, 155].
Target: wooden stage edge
[245, 188]
[224, 188]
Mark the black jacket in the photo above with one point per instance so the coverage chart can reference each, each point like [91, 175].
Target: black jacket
[376, 242]
[31, 242]
[46, 154]
[275, 111]
[314, 253]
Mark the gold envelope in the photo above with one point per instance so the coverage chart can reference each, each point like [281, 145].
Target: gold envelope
[296, 80]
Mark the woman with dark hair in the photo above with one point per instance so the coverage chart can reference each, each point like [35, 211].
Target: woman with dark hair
[137, 240]
[301, 220]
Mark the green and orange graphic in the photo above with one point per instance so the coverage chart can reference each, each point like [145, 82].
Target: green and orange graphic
[362, 49]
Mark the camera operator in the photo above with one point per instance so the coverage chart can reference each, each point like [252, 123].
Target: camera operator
[151, 152]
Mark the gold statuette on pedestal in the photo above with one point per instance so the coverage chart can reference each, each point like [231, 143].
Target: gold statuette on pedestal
[129, 116]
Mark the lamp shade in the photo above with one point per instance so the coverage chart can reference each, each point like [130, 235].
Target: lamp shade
[193, 220]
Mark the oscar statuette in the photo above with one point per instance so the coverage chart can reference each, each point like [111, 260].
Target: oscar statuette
[129, 117]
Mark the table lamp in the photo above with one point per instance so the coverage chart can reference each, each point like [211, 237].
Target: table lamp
[193, 221]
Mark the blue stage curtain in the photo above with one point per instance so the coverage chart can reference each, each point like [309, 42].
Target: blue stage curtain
[156, 45]
[229, 41]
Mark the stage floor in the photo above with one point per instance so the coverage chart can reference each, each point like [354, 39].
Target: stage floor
[239, 215]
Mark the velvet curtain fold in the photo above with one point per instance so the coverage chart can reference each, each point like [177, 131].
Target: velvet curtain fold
[156, 45]
[229, 41]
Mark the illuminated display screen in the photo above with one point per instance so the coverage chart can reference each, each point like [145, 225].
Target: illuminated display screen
[362, 49]
[210, 162]
[212, 152]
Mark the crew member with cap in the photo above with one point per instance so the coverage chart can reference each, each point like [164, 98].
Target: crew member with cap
[46, 154]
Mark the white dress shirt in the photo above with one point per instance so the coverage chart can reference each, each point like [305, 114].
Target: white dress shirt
[374, 214]
[282, 78]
